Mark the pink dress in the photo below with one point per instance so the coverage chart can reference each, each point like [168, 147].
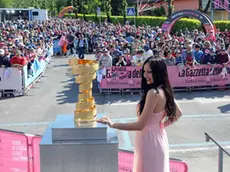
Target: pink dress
[151, 153]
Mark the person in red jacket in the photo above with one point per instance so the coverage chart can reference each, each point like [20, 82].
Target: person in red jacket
[18, 61]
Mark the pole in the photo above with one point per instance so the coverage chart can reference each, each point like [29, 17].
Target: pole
[212, 11]
[135, 21]
[100, 23]
[220, 160]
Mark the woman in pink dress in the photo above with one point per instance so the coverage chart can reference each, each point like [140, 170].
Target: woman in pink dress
[156, 110]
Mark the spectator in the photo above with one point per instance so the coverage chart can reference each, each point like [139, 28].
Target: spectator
[4, 60]
[188, 56]
[147, 53]
[106, 59]
[205, 59]
[137, 59]
[198, 53]
[18, 61]
[178, 58]
[222, 58]
[212, 59]
[70, 43]
[82, 45]
[120, 60]
[170, 60]
[128, 57]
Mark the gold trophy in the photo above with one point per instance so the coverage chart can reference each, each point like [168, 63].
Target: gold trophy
[85, 71]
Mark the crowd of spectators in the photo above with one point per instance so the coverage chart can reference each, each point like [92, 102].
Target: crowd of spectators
[114, 45]
[24, 43]
[131, 47]
[127, 45]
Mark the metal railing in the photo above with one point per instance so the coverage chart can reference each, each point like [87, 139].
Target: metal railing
[221, 152]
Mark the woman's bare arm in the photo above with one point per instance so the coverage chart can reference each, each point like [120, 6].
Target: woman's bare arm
[169, 122]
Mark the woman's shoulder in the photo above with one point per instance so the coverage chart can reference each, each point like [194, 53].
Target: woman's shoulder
[156, 92]
[153, 92]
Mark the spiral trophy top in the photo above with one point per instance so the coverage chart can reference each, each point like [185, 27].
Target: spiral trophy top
[85, 71]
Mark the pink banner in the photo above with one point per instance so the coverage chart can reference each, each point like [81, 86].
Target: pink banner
[13, 152]
[122, 77]
[35, 151]
[200, 75]
[20, 153]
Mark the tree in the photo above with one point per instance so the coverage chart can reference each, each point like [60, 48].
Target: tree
[107, 8]
[5, 3]
[116, 7]
[97, 3]
[44, 4]
[124, 6]
[170, 7]
[208, 5]
[35, 3]
[53, 7]
[60, 4]
[160, 11]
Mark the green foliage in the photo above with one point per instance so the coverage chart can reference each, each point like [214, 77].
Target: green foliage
[181, 24]
[106, 4]
[44, 4]
[116, 7]
[6, 3]
[170, 7]
[222, 25]
[156, 12]
[184, 23]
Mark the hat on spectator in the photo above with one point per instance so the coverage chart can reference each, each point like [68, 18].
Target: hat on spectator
[119, 53]
[146, 48]
[21, 45]
[2, 52]
[105, 50]
[212, 50]
[222, 49]
[177, 51]
[157, 39]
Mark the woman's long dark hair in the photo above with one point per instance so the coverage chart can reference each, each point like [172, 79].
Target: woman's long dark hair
[160, 80]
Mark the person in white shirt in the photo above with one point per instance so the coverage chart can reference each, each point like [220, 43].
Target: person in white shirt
[147, 53]
[106, 59]
[137, 59]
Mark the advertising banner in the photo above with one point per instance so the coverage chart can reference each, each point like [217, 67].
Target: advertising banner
[13, 152]
[199, 75]
[10, 79]
[121, 77]
[20, 153]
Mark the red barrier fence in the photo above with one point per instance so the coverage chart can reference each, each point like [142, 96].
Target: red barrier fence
[20, 153]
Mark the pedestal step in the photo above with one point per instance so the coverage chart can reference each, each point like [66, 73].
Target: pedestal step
[65, 129]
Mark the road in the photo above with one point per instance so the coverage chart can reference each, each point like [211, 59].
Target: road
[56, 93]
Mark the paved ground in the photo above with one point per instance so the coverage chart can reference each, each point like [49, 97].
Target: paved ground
[56, 93]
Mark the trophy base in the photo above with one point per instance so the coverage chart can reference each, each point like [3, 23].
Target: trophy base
[88, 147]
[66, 129]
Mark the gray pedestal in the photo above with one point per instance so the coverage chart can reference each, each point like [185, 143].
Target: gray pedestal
[66, 147]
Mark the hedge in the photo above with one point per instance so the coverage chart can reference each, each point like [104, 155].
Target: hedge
[222, 24]
[182, 24]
